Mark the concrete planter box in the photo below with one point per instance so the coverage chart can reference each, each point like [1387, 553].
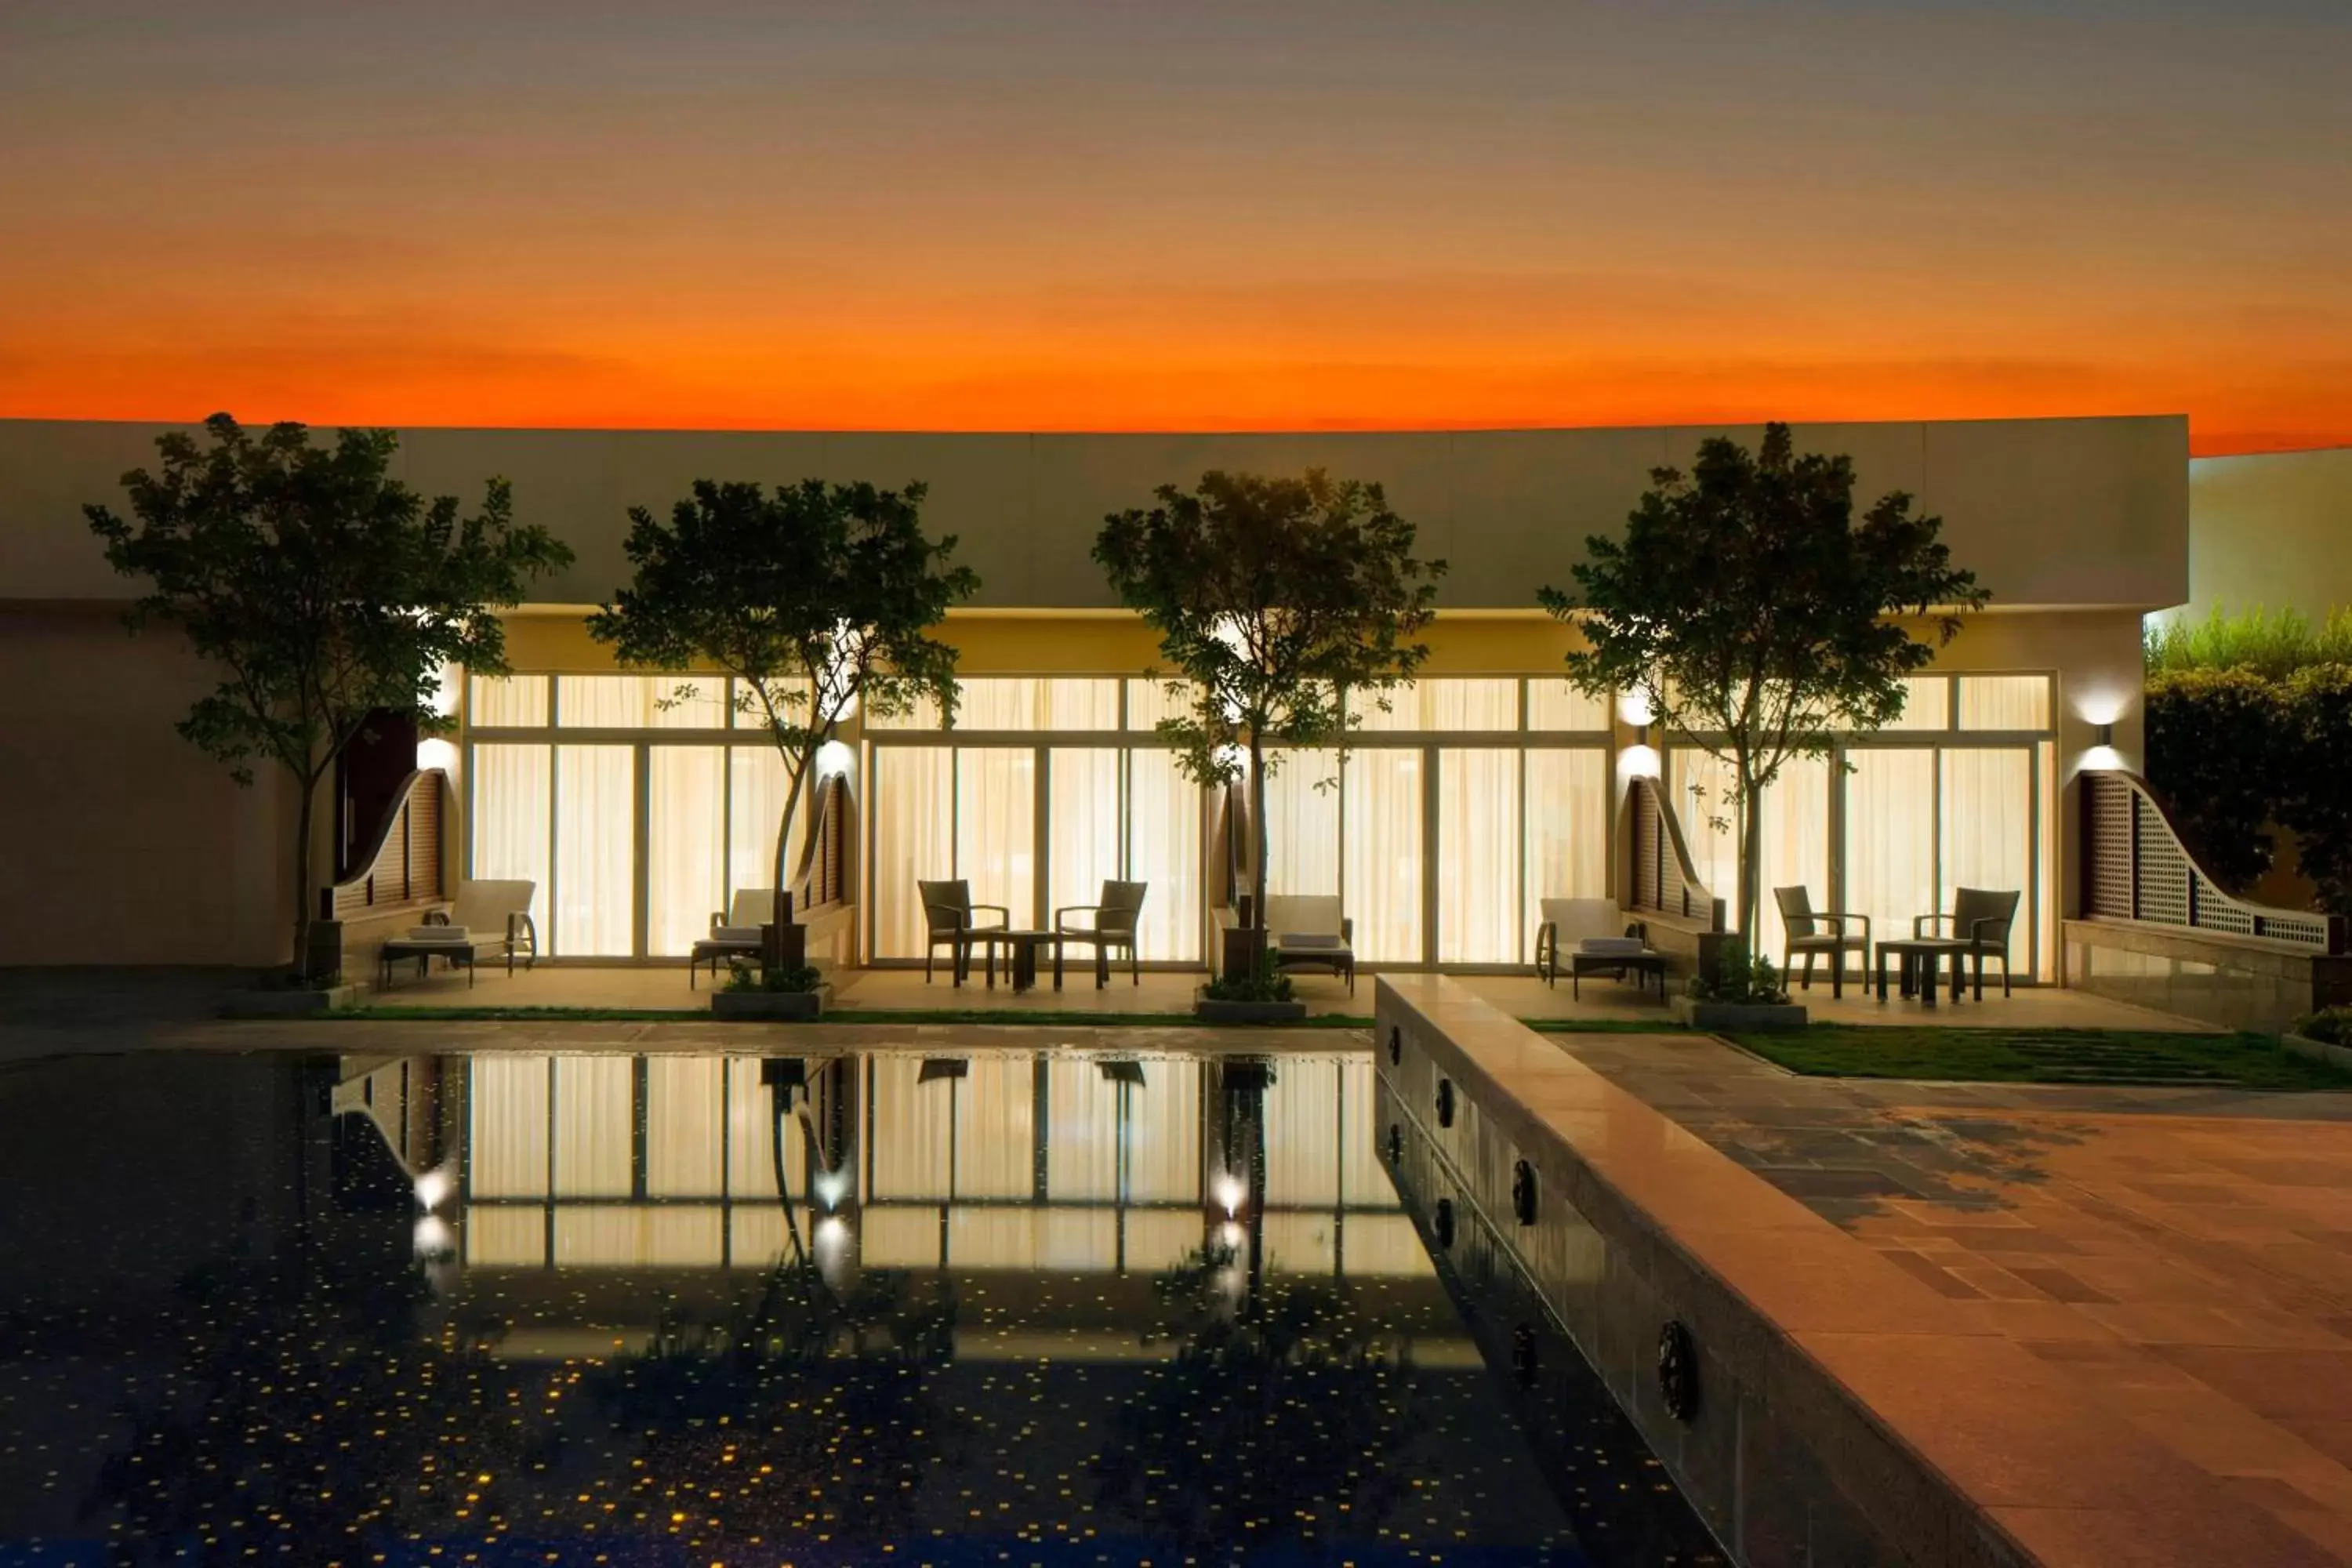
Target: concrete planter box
[289, 1004]
[1737, 1016]
[803, 1005]
[2318, 1050]
[1210, 1011]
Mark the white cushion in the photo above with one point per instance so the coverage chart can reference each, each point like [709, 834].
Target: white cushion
[1300, 938]
[1575, 921]
[438, 933]
[1610, 945]
[735, 933]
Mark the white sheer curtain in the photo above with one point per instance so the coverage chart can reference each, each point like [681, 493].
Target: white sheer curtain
[496, 702]
[1794, 825]
[510, 788]
[1302, 824]
[1796, 830]
[913, 1126]
[684, 1111]
[1383, 853]
[2004, 702]
[595, 849]
[1163, 827]
[1568, 827]
[1082, 801]
[996, 827]
[1163, 1138]
[1148, 703]
[913, 808]
[1452, 702]
[1556, 706]
[1989, 831]
[1926, 705]
[604, 701]
[686, 845]
[1890, 836]
[1479, 854]
[996, 1120]
[1302, 1133]
[1082, 1132]
[752, 1132]
[506, 1148]
[755, 804]
[595, 1126]
[1701, 787]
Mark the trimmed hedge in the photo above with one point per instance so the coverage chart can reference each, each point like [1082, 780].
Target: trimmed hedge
[2234, 753]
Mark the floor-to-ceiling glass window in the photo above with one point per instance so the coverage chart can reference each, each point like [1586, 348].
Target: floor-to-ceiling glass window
[622, 800]
[1959, 791]
[1044, 788]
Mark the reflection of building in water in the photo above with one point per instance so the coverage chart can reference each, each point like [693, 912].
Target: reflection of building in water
[992, 1162]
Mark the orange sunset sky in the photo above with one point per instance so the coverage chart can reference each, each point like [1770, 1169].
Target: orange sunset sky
[1111, 215]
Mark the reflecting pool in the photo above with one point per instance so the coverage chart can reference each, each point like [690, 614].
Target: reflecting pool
[1003, 1306]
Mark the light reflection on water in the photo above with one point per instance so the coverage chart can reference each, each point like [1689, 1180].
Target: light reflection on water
[702, 1308]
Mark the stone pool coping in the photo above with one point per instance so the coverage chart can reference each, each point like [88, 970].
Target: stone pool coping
[1951, 1439]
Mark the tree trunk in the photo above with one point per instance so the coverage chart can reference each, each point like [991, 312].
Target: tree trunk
[302, 889]
[1751, 868]
[774, 958]
[1257, 847]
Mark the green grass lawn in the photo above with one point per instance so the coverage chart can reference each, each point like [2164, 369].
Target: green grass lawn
[2045, 1056]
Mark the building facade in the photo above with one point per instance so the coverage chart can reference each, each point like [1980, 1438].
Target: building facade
[1486, 788]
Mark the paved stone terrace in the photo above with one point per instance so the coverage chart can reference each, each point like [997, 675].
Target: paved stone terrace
[2182, 1256]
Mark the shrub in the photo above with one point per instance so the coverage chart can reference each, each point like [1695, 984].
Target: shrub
[746, 974]
[2315, 780]
[2271, 643]
[1741, 979]
[1247, 987]
[2331, 1024]
[2218, 751]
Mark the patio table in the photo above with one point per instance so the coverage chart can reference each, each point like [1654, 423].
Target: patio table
[1022, 961]
[1918, 957]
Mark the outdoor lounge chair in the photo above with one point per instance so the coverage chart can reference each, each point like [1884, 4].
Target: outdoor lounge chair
[950, 917]
[1113, 925]
[735, 934]
[1590, 936]
[1816, 932]
[487, 920]
[1980, 922]
[1306, 930]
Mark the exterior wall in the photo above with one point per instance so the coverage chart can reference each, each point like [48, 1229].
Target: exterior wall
[119, 842]
[125, 845]
[2271, 531]
[1508, 509]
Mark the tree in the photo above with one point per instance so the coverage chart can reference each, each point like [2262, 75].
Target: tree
[1273, 597]
[1749, 610]
[326, 590]
[815, 599]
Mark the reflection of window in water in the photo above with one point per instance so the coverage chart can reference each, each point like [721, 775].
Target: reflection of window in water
[1000, 1160]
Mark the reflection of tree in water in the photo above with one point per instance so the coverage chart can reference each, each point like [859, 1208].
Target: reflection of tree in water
[800, 1409]
[306, 1415]
[1280, 1420]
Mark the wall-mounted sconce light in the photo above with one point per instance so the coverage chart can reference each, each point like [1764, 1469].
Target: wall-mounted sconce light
[2106, 734]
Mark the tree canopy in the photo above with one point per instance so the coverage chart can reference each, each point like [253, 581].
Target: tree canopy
[324, 590]
[1754, 615]
[1273, 597]
[816, 597]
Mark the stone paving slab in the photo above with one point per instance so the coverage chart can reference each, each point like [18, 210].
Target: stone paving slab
[2181, 1258]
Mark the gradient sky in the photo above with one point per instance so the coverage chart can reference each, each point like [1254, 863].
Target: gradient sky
[1016, 214]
